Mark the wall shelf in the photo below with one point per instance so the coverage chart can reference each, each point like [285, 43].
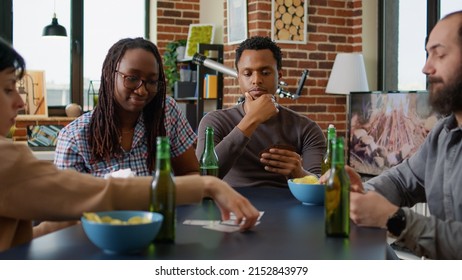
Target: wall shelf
[195, 107]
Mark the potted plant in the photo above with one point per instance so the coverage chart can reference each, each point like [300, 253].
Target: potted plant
[170, 63]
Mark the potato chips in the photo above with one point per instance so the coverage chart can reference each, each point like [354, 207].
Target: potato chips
[309, 179]
[135, 220]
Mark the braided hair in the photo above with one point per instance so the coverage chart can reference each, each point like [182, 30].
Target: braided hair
[104, 137]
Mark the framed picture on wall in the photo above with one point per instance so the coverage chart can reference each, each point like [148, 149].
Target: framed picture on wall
[237, 21]
[289, 21]
[198, 34]
[386, 128]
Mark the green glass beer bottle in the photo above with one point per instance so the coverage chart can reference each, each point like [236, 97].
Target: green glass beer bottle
[163, 192]
[327, 160]
[209, 159]
[337, 194]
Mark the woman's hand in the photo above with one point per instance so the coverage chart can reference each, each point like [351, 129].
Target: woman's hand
[228, 200]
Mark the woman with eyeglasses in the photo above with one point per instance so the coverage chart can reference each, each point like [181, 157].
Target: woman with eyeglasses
[132, 110]
[26, 182]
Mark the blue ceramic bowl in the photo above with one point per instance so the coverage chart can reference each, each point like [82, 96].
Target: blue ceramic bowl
[309, 194]
[124, 238]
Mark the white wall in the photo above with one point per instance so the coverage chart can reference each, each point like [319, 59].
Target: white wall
[153, 23]
[212, 11]
[370, 37]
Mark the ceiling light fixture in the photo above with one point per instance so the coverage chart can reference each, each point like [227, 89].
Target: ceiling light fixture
[54, 29]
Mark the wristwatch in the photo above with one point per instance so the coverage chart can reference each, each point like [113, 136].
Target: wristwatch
[397, 222]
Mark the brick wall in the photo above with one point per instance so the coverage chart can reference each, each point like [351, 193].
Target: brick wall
[173, 20]
[333, 26]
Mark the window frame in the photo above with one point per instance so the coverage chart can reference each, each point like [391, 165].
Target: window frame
[76, 47]
[433, 15]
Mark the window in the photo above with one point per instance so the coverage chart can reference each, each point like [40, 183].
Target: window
[102, 30]
[411, 47]
[404, 31]
[404, 28]
[72, 69]
[449, 6]
[50, 54]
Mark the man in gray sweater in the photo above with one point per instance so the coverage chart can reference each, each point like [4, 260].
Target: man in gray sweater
[434, 174]
[260, 142]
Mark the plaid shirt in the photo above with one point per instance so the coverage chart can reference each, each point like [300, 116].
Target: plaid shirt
[73, 149]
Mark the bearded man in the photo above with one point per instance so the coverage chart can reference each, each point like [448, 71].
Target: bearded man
[432, 175]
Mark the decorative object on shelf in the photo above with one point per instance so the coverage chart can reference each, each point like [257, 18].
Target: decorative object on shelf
[32, 90]
[185, 73]
[237, 21]
[92, 95]
[170, 58]
[191, 94]
[198, 34]
[54, 29]
[73, 110]
[180, 50]
[289, 21]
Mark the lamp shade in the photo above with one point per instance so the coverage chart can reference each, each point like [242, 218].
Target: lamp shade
[348, 74]
[54, 29]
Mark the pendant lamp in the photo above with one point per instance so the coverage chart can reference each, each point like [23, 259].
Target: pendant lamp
[54, 29]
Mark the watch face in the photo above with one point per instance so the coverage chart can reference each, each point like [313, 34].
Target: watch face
[397, 223]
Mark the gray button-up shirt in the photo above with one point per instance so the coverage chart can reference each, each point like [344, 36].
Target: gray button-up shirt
[432, 175]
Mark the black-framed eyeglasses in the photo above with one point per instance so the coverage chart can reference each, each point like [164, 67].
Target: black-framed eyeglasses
[133, 82]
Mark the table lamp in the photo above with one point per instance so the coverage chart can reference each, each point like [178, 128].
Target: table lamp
[348, 74]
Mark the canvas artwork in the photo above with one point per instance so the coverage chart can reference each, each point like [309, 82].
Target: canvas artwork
[198, 33]
[386, 128]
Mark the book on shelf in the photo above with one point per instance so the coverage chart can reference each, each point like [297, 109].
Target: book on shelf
[210, 86]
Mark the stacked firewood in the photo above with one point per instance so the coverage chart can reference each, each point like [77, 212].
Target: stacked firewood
[389, 136]
[289, 20]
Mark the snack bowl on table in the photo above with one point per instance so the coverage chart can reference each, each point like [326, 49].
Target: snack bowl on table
[121, 231]
[308, 194]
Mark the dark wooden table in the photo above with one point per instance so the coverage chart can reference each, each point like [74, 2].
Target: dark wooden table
[288, 230]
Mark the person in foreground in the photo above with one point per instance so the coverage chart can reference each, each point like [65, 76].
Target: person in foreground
[258, 142]
[36, 190]
[433, 175]
[132, 110]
